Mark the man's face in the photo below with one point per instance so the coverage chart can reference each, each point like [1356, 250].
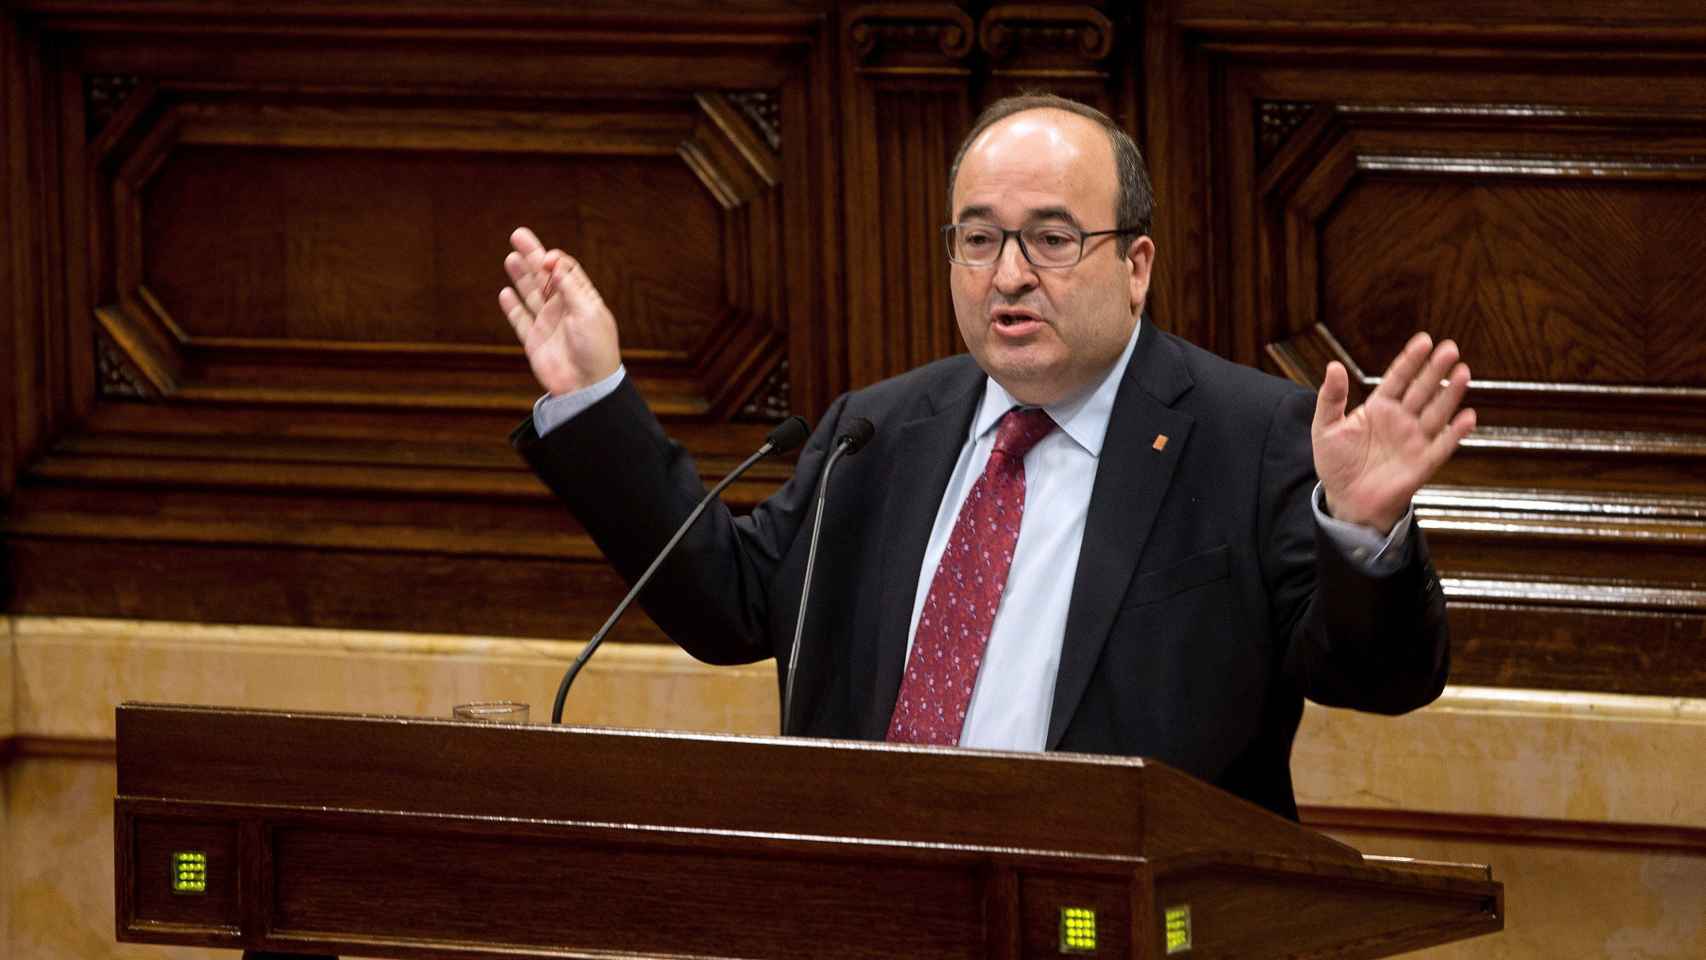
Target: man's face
[1047, 334]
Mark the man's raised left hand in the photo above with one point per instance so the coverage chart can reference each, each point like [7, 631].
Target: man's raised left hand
[1372, 460]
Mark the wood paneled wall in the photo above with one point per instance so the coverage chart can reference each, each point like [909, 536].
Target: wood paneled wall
[255, 372]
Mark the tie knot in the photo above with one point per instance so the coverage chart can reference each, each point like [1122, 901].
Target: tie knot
[1019, 431]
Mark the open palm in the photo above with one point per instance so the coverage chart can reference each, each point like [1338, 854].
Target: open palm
[1372, 460]
[557, 314]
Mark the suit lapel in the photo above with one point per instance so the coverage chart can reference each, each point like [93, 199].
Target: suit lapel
[1131, 478]
[925, 453]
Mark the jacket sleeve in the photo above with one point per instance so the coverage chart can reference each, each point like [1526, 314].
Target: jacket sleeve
[631, 486]
[1369, 642]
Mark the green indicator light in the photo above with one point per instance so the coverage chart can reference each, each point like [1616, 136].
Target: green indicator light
[1178, 926]
[1077, 930]
[189, 872]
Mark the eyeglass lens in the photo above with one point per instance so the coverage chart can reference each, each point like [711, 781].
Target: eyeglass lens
[1044, 245]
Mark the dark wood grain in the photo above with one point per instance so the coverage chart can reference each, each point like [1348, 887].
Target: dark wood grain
[1360, 190]
[211, 366]
[287, 229]
[646, 898]
[352, 838]
[1506, 830]
[14, 234]
[366, 590]
[784, 787]
[1601, 648]
[1320, 910]
[152, 844]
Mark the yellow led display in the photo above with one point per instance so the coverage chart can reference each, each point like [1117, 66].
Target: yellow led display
[1178, 926]
[1077, 930]
[189, 871]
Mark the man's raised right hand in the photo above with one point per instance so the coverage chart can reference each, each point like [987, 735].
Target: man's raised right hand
[557, 314]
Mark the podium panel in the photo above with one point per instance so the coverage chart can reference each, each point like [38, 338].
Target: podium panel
[409, 837]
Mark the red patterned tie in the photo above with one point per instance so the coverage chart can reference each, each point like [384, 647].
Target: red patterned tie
[953, 627]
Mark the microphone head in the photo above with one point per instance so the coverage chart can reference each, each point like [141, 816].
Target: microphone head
[856, 434]
[788, 434]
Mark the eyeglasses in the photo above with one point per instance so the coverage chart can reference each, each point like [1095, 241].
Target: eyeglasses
[1050, 246]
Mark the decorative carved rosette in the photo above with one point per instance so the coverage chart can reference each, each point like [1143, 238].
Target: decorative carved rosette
[1276, 121]
[763, 108]
[103, 95]
[119, 379]
[770, 402]
[889, 36]
[1046, 36]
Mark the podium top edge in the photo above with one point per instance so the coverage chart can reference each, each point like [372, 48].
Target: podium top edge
[638, 733]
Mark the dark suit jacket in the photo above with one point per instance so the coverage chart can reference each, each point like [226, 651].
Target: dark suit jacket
[1201, 611]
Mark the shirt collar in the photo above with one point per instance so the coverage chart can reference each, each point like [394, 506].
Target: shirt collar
[1084, 418]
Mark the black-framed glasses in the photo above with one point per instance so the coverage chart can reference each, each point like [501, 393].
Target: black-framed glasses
[1051, 246]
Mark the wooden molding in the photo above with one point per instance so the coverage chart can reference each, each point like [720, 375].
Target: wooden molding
[1017, 32]
[731, 160]
[1507, 830]
[103, 96]
[1276, 121]
[58, 748]
[763, 108]
[902, 37]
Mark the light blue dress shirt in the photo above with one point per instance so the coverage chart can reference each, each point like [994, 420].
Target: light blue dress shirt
[1010, 705]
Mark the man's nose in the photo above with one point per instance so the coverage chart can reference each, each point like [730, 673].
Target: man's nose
[1012, 271]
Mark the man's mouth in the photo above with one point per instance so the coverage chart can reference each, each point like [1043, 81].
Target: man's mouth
[1016, 322]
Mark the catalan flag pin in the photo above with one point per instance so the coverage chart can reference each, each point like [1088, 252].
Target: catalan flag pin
[1160, 441]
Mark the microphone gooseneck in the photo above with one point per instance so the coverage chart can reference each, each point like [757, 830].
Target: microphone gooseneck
[855, 435]
[787, 435]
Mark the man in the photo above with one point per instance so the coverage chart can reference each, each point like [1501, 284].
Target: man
[1136, 560]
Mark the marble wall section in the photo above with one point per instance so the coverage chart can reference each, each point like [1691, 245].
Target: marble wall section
[1513, 753]
[1607, 774]
[8, 855]
[8, 709]
[71, 673]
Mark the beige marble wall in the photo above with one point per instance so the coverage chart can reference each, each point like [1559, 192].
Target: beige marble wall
[1514, 753]
[62, 888]
[71, 673]
[1572, 902]
[8, 709]
[68, 675]
[8, 855]
[1595, 759]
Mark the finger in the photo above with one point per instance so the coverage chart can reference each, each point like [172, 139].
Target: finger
[549, 264]
[1330, 399]
[1403, 369]
[1429, 382]
[528, 281]
[550, 315]
[1446, 442]
[520, 318]
[525, 242]
[571, 280]
[1441, 406]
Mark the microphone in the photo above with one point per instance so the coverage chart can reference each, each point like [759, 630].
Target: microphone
[855, 435]
[788, 434]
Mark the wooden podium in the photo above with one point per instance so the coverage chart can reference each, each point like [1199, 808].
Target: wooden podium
[409, 837]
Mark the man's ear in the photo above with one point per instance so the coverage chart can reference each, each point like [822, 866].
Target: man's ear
[1141, 256]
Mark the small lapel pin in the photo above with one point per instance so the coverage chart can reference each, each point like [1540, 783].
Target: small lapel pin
[1160, 441]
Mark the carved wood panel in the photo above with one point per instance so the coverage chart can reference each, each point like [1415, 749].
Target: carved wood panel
[303, 251]
[1354, 194]
[213, 384]
[275, 293]
[918, 75]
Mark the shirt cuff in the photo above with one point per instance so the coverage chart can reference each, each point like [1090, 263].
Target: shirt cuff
[553, 410]
[1366, 548]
